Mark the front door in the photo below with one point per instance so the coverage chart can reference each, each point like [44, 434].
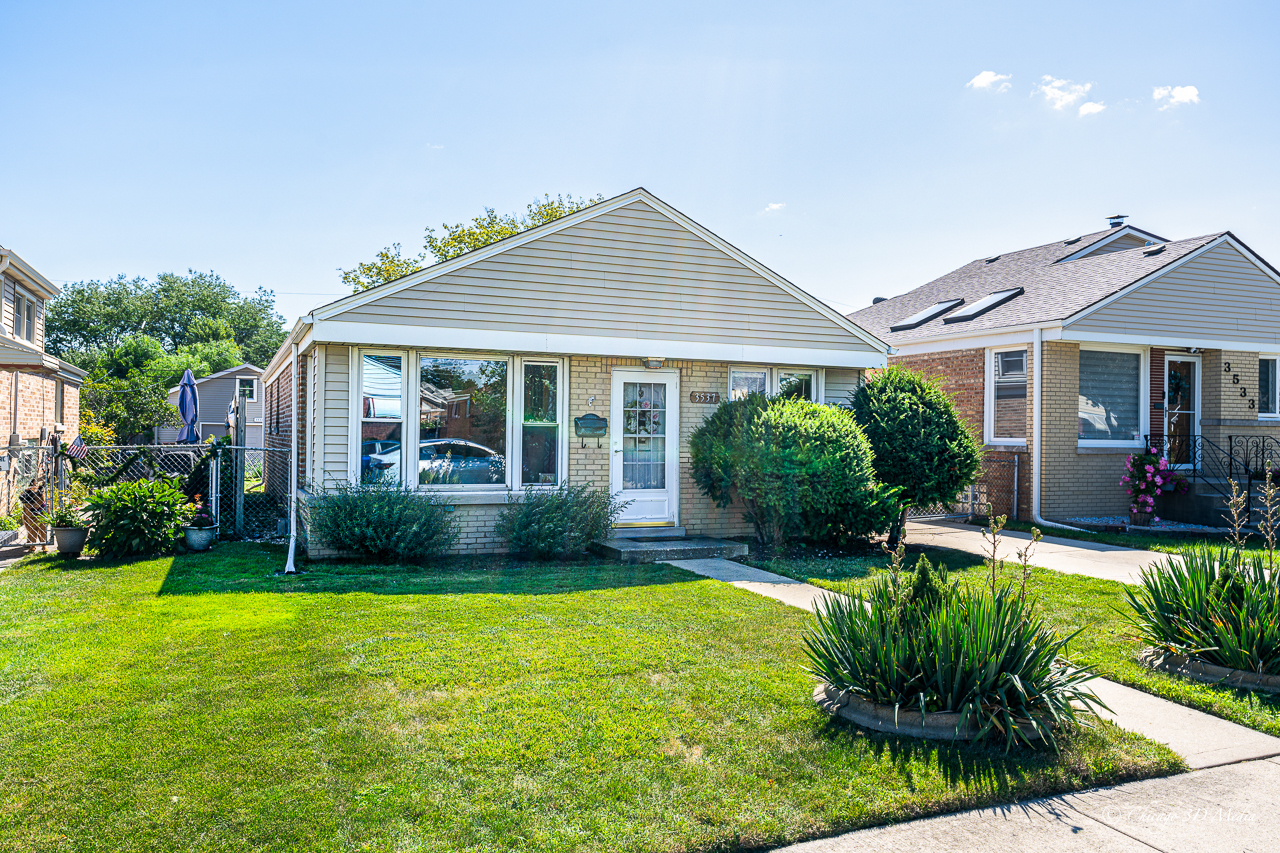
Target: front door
[644, 464]
[1182, 407]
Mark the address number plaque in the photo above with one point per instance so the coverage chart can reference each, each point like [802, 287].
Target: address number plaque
[704, 396]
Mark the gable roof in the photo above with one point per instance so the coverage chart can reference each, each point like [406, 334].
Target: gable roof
[239, 368]
[1059, 280]
[460, 263]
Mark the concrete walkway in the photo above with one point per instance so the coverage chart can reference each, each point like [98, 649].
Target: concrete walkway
[1069, 556]
[1225, 809]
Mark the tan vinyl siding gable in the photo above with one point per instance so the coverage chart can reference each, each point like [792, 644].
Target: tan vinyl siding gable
[1128, 241]
[632, 273]
[1220, 294]
[336, 413]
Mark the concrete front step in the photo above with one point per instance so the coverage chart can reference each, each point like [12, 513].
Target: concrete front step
[660, 550]
[648, 532]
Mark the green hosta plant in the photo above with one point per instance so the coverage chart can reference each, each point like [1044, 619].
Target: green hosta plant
[1219, 605]
[547, 524]
[952, 649]
[136, 518]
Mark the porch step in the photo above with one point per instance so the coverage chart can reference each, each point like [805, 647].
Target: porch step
[647, 532]
[635, 550]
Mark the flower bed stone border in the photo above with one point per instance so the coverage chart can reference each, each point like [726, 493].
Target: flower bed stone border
[1207, 672]
[883, 718]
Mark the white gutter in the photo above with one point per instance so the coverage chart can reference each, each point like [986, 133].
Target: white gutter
[293, 463]
[1038, 334]
[4, 260]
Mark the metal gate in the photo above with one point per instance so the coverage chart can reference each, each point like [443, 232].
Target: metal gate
[971, 501]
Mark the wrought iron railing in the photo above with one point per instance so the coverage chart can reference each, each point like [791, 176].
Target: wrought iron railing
[1244, 460]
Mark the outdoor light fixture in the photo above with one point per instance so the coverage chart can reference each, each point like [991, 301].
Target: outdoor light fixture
[653, 363]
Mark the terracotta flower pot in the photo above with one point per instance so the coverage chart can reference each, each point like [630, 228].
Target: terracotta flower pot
[199, 538]
[70, 540]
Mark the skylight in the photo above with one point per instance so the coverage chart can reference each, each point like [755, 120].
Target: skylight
[921, 317]
[983, 305]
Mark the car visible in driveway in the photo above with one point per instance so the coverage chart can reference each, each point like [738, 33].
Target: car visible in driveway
[454, 460]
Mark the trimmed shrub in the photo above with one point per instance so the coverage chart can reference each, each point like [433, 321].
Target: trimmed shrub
[921, 444]
[799, 468]
[923, 644]
[136, 519]
[382, 521]
[1216, 605]
[549, 524]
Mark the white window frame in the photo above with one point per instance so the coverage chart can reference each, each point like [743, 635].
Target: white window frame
[1144, 395]
[23, 301]
[515, 435]
[989, 396]
[1270, 416]
[357, 400]
[252, 398]
[773, 378]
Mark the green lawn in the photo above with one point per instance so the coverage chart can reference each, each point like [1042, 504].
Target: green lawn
[1163, 542]
[1107, 646]
[200, 703]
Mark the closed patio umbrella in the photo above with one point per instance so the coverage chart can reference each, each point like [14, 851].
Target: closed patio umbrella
[188, 409]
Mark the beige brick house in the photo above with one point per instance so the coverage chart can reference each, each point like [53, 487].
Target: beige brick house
[1071, 355]
[586, 350]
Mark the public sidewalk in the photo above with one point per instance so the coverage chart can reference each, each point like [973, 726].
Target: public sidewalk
[1226, 805]
[1069, 556]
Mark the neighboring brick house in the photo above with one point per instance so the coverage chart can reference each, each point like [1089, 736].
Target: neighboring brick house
[1098, 345]
[467, 377]
[39, 394]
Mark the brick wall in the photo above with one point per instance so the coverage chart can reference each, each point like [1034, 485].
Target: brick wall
[37, 404]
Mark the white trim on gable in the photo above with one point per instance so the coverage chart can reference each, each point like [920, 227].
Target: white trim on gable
[1108, 240]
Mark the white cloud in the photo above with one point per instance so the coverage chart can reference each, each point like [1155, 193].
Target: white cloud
[1176, 94]
[774, 207]
[990, 79]
[1088, 108]
[1061, 93]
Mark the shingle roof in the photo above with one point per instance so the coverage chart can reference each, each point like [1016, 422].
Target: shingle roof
[1053, 289]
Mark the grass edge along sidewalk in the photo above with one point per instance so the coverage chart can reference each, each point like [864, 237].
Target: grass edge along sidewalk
[199, 702]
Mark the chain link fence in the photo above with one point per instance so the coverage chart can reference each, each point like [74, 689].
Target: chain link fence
[26, 473]
[997, 486]
[232, 481]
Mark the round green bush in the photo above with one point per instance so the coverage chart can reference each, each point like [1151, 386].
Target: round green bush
[800, 469]
[382, 521]
[921, 444]
[136, 519]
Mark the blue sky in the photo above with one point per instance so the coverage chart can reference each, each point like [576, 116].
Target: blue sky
[840, 144]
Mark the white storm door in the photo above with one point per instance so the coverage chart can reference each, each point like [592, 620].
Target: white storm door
[644, 466]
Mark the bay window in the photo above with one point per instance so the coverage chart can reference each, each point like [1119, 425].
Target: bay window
[1109, 409]
[381, 419]
[462, 421]
[1267, 397]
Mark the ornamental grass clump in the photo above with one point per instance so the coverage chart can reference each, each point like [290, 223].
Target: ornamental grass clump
[922, 642]
[549, 524]
[383, 521]
[1217, 605]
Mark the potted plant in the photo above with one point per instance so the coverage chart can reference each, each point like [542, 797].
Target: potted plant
[201, 528]
[65, 516]
[1147, 474]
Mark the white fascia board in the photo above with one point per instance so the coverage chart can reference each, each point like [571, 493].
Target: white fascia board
[1169, 342]
[584, 215]
[1006, 336]
[32, 277]
[302, 335]
[1147, 279]
[346, 332]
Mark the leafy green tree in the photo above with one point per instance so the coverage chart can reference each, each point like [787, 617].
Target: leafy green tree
[129, 406]
[92, 318]
[460, 239]
[922, 446]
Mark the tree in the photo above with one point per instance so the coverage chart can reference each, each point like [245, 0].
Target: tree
[92, 318]
[921, 444]
[459, 239]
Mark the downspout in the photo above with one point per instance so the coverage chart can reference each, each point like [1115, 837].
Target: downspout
[293, 461]
[1036, 430]
[13, 436]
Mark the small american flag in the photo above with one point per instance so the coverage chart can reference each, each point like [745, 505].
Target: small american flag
[77, 449]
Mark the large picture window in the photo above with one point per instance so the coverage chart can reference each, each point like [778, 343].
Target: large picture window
[1109, 400]
[1009, 396]
[1267, 397]
[540, 431]
[462, 406]
[381, 419]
